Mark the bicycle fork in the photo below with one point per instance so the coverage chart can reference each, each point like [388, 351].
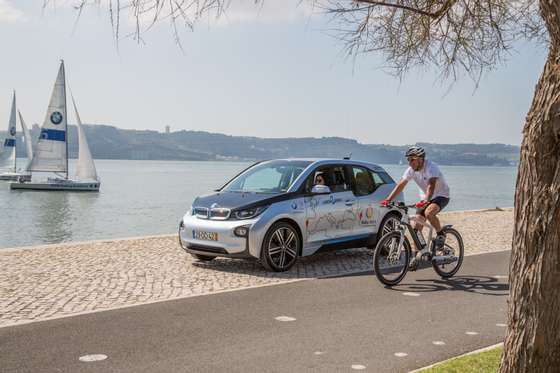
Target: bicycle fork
[396, 251]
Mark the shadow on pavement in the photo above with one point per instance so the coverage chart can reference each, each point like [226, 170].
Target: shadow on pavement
[328, 264]
[485, 285]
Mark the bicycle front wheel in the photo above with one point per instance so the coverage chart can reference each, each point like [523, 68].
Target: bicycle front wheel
[448, 259]
[390, 262]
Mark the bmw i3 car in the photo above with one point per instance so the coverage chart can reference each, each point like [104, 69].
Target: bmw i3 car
[279, 210]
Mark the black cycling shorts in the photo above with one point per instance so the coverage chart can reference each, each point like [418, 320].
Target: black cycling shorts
[440, 201]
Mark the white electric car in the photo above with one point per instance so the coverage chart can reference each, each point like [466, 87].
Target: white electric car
[275, 211]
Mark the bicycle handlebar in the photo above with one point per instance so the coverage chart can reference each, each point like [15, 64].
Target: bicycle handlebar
[400, 205]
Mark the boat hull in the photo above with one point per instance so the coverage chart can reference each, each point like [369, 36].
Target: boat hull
[70, 186]
[15, 177]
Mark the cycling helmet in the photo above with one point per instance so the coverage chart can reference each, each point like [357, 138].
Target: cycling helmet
[415, 151]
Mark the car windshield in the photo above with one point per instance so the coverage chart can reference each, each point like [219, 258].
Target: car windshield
[267, 177]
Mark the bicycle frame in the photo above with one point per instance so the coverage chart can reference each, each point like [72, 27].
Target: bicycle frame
[405, 223]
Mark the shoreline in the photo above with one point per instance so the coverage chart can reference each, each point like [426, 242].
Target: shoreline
[117, 239]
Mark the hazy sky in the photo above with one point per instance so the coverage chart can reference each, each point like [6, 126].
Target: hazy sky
[269, 72]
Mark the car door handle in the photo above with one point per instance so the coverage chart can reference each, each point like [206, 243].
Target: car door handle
[350, 202]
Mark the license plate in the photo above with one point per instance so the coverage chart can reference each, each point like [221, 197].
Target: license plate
[207, 236]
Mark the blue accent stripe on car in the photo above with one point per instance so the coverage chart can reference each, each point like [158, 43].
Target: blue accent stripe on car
[55, 135]
[10, 142]
[349, 238]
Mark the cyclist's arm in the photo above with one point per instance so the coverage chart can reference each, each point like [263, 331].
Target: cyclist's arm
[431, 188]
[398, 188]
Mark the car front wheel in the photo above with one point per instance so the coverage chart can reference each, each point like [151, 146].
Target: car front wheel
[280, 247]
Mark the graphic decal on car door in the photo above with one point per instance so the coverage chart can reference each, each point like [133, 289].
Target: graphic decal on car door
[331, 215]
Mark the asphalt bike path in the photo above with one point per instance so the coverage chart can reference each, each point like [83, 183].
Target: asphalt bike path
[338, 324]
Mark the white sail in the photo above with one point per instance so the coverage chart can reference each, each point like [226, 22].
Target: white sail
[50, 153]
[27, 138]
[85, 169]
[8, 151]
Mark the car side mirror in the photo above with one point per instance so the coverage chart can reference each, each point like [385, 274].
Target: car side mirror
[320, 189]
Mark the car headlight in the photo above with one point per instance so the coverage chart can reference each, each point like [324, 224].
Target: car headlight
[249, 213]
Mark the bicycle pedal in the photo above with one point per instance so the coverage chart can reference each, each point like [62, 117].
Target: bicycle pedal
[426, 256]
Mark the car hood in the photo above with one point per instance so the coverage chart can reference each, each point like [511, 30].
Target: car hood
[235, 200]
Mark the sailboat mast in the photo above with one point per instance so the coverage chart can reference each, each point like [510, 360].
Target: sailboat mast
[15, 133]
[65, 116]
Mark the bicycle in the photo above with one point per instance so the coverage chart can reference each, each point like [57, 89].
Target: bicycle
[393, 250]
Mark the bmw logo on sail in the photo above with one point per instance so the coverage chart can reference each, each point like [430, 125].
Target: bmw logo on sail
[56, 117]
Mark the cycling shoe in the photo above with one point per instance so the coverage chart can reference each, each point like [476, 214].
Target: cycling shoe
[439, 241]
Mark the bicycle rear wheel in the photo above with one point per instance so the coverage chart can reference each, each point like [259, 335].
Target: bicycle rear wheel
[448, 260]
[389, 265]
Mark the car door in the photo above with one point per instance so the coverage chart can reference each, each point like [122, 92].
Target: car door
[330, 216]
[364, 187]
[382, 190]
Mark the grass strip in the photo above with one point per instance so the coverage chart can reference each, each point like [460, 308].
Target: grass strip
[482, 362]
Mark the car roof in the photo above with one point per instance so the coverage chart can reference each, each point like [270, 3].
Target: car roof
[320, 161]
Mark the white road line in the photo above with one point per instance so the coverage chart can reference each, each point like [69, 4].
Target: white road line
[319, 352]
[471, 333]
[91, 358]
[358, 367]
[285, 318]
[411, 294]
[438, 343]
[498, 277]
[501, 325]
[400, 354]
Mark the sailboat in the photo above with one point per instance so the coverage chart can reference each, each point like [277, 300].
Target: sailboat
[8, 161]
[51, 152]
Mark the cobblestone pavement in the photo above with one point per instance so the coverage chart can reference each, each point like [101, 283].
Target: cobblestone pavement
[64, 279]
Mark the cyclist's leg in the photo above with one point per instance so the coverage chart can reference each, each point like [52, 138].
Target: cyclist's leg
[435, 206]
[431, 214]
[421, 216]
[417, 226]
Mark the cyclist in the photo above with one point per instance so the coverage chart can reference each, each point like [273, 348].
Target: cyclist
[434, 192]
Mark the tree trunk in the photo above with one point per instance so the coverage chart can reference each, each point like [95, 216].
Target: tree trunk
[532, 341]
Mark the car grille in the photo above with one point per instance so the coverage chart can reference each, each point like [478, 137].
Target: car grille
[219, 213]
[215, 213]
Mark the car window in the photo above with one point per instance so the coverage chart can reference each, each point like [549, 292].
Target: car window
[363, 181]
[377, 179]
[267, 177]
[338, 180]
[334, 177]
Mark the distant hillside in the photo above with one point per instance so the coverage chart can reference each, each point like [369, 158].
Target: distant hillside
[108, 142]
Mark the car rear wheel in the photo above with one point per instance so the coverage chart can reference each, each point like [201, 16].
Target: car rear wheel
[203, 258]
[389, 224]
[280, 248]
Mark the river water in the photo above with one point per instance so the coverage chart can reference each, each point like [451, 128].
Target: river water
[140, 198]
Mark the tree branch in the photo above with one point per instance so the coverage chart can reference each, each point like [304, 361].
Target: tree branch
[435, 15]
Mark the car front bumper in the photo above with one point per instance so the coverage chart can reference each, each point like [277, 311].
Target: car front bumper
[227, 243]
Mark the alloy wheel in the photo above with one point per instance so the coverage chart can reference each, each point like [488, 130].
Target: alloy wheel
[282, 247]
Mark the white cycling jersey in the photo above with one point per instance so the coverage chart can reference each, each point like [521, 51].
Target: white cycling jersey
[422, 177]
